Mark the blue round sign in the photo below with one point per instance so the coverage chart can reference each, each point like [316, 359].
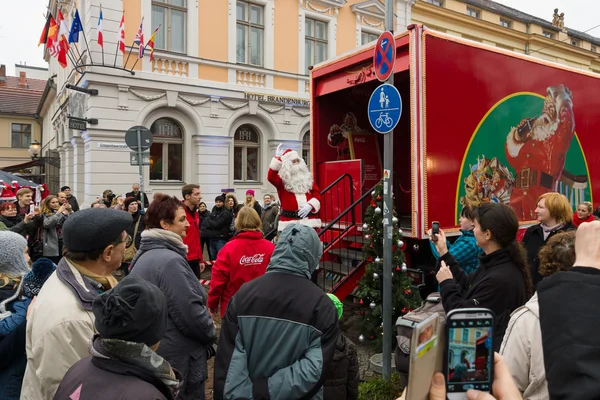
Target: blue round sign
[385, 108]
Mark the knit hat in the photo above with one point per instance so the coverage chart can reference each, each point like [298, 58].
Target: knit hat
[35, 279]
[249, 191]
[220, 198]
[12, 258]
[62, 189]
[94, 229]
[135, 311]
[337, 303]
[128, 201]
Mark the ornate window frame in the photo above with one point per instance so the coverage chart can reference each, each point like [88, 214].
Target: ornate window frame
[367, 19]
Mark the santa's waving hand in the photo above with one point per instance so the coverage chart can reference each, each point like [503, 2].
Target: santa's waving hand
[300, 197]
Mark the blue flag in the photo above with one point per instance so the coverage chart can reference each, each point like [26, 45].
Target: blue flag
[75, 28]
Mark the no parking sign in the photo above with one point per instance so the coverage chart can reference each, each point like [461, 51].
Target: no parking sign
[385, 56]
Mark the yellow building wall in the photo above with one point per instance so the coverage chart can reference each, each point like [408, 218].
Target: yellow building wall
[282, 83]
[286, 37]
[346, 29]
[212, 73]
[8, 154]
[133, 16]
[212, 29]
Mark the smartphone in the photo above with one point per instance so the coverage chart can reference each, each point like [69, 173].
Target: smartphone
[469, 352]
[435, 229]
[31, 207]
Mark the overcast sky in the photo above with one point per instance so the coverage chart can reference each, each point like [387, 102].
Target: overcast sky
[22, 21]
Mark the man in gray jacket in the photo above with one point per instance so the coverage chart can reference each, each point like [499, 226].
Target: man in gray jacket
[279, 333]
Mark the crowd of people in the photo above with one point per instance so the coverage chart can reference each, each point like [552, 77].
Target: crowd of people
[106, 302]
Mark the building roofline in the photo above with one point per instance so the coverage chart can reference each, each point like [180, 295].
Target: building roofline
[31, 67]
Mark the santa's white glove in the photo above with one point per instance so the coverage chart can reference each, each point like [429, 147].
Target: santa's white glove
[305, 210]
[279, 151]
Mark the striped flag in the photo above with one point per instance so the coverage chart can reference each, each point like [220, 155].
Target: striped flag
[121, 37]
[151, 43]
[139, 39]
[99, 30]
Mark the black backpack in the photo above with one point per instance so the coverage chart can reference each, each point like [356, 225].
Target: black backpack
[405, 326]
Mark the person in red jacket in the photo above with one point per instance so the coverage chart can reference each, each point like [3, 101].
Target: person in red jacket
[245, 257]
[192, 196]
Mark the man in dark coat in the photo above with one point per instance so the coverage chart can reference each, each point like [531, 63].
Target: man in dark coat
[279, 333]
[215, 227]
[569, 319]
[130, 319]
[135, 192]
[70, 198]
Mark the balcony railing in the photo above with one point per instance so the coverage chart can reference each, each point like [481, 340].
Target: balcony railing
[170, 67]
[250, 78]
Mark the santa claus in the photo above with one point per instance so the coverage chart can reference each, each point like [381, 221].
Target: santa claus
[297, 191]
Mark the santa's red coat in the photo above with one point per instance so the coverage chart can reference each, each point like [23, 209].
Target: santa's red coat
[294, 202]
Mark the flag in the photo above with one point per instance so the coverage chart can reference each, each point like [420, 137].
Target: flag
[151, 43]
[139, 39]
[59, 41]
[121, 38]
[99, 29]
[44, 35]
[76, 27]
[52, 34]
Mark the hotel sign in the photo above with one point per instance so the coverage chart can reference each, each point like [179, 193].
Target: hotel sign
[292, 101]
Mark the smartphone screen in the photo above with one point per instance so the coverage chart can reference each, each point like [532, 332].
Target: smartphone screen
[470, 352]
[435, 229]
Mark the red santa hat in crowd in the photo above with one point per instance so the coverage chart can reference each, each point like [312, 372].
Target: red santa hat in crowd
[287, 156]
[6, 192]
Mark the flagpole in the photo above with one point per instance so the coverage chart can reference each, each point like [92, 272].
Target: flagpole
[119, 41]
[88, 47]
[146, 45]
[130, 49]
[103, 37]
[136, 61]
[78, 53]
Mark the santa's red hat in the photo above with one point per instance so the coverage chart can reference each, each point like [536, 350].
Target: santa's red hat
[290, 155]
[6, 192]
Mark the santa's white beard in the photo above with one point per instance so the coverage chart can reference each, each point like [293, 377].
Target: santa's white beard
[296, 177]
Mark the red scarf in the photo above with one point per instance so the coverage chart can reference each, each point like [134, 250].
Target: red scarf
[577, 221]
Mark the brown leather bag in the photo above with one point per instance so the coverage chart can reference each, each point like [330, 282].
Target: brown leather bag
[131, 250]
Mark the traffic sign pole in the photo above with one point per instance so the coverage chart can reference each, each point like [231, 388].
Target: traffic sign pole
[141, 164]
[388, 207]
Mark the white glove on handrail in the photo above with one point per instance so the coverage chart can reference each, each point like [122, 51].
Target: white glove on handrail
[305, 210]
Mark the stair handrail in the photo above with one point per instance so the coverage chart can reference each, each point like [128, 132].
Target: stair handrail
[350, 208]
[336, 181]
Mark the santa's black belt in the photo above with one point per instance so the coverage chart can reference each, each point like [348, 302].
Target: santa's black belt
[289, 214]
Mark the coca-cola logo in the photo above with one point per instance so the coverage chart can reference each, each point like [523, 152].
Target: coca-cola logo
[255, 259]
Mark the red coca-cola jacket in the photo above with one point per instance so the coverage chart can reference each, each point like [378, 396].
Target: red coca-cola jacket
[245, 257]
[192, 235]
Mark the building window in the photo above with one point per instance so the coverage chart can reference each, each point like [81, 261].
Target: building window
[594, 49]
[574, 42]
[366, 37]
[166, 152]
[548, 34]
[171, 14]
[465, 335]
[471, 12]
[315, 42]
[505, 23]
[439, 3]
[21, 135]
[249, 33]
[246, 152]
[306, 148]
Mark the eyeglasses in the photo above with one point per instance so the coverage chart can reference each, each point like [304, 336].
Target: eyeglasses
[128, 241]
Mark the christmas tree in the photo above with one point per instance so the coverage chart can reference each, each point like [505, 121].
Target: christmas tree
[404, 299]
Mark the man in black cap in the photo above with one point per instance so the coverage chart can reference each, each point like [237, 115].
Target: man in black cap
[216, 227]
[131, 319]
[70, 198]
[61, 321]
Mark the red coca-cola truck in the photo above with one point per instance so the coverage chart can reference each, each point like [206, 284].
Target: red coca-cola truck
[479, 124]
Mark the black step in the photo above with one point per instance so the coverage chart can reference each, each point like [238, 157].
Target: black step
[347, 253]
[356, 239]
[335, 267]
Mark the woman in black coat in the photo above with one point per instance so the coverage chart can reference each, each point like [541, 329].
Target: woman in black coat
[501, 283]
[554, 214]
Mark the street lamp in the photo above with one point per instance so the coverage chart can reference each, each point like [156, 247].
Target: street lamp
[34, 151]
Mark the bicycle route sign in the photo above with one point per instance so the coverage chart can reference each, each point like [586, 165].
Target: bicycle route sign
[385, 108]
[385, 56]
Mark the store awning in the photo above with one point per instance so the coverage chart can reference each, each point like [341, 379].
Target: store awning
[18, 167]
[7, 177]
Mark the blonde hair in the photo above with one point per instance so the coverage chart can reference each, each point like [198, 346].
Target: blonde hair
[588, 205]
[46, 205]
[558, 206]
[23, 191]
[247, 220]
[5, 280]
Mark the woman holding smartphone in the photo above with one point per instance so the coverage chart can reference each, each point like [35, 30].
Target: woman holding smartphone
[502, 282]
